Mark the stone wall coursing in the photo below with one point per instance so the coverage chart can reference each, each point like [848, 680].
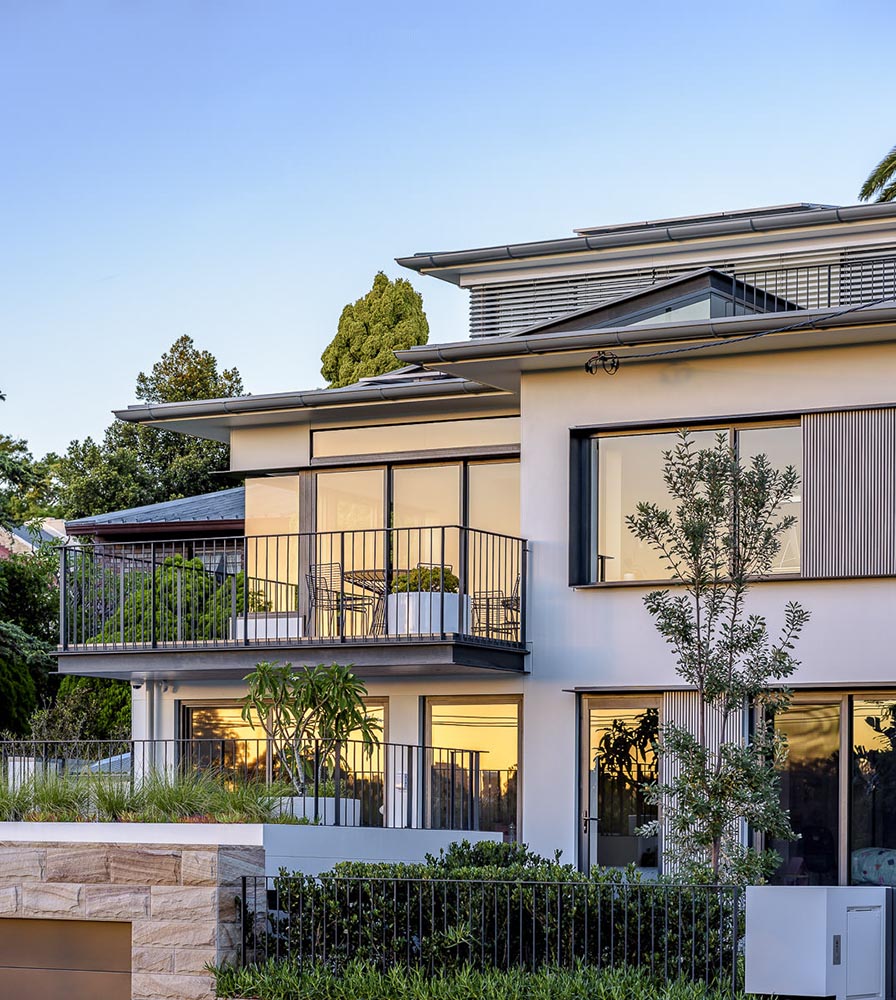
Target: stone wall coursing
[179, 900]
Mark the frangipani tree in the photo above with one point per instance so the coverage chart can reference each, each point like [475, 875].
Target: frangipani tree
[307, 707]
[721, 535]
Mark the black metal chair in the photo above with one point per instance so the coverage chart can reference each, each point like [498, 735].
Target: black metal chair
[496, 614]
[327, 596]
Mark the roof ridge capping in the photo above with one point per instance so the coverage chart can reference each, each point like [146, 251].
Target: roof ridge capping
[765, 210]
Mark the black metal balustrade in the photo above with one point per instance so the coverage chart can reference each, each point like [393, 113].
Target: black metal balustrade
[337, 783]
[672, 930]
[377, 585]
[851, 282]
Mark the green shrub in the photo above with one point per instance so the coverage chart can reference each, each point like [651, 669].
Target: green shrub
[426, 580]
[497, 904]
[161, 797]
[278, 980]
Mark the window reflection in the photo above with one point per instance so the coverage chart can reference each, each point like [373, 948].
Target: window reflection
[272, 550]
[491, 726]
[873, 791]
[782, 446]
[426, 497]
[621, 761]
[629, 471]
[494, 497]
[810, 791]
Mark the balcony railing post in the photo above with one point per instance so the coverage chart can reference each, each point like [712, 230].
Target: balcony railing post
[475, 789]
[152, 595]
[63, 598]
[524, 588]
[409, 787]
[463, 542]
[337, 790]
[340, 614]
[316, 759]
[245, 587]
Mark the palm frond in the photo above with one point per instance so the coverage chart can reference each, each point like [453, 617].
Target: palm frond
[880, 180]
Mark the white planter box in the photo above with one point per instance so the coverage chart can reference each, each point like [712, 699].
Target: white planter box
[264, 626]
[422, 613]
[302, 807]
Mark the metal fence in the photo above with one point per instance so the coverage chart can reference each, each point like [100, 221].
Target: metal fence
[377, 585]
[336, 783]
[673, 931]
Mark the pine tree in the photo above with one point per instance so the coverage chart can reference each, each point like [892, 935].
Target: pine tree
[388, 318]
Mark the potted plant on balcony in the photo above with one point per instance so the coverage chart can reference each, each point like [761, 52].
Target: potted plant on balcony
[424, 601]
[308, 714]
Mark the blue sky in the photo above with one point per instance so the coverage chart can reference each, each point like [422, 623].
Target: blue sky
[239, 171]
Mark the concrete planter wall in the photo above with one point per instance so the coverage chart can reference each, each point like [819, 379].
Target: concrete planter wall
[302, 807]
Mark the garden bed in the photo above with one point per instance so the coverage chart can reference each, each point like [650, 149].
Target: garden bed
[277, 980]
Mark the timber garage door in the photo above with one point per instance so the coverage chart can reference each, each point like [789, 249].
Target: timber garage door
[65, 960]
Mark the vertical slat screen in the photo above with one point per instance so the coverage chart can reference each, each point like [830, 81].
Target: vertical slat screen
[849, 493]
[683, 708]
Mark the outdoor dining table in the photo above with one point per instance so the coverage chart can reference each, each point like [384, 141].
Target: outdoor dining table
[374, 580]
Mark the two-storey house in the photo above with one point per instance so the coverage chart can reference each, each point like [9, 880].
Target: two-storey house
[456, 529]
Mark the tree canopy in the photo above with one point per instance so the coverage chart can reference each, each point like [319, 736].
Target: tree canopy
[134, 464]
[388, 318]
[882, 180]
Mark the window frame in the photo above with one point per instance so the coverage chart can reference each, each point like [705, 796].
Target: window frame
[584, 487]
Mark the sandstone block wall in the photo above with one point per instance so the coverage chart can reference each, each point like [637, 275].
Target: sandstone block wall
[180, 901]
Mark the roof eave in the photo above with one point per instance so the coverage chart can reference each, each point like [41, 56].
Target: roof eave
[432, 263]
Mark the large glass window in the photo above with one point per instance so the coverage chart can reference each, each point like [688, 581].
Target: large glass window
[872, 833]
[810, 791]
[272, 505]
[350, 501]
[425, 497]
[782, 447]
[621, 759]
[494, 497]
[628, 469]
[272, 550]
[428, 436]
[492, 726]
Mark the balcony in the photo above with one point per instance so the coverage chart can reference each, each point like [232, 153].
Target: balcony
[320, 782]
[386, 600]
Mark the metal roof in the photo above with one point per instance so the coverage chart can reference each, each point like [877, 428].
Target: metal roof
[225, 505]
[696, 227]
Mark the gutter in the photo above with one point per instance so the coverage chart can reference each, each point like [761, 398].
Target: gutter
[517, 345]
[314, 398]
[662, 234]
[230, 526]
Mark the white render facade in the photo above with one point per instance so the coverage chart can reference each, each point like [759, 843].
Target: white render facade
[809, 358]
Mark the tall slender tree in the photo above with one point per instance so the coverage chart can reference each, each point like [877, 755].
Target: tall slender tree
[721, 536]
[388, 318]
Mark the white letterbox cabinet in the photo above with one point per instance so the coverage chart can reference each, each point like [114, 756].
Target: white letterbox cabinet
[820, 941]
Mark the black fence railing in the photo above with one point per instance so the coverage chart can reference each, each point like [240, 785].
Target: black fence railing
[671, 930]
[336, 783]
[377, 585]
[850, 282]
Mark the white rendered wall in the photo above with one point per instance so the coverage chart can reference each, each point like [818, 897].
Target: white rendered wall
[603, 638]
